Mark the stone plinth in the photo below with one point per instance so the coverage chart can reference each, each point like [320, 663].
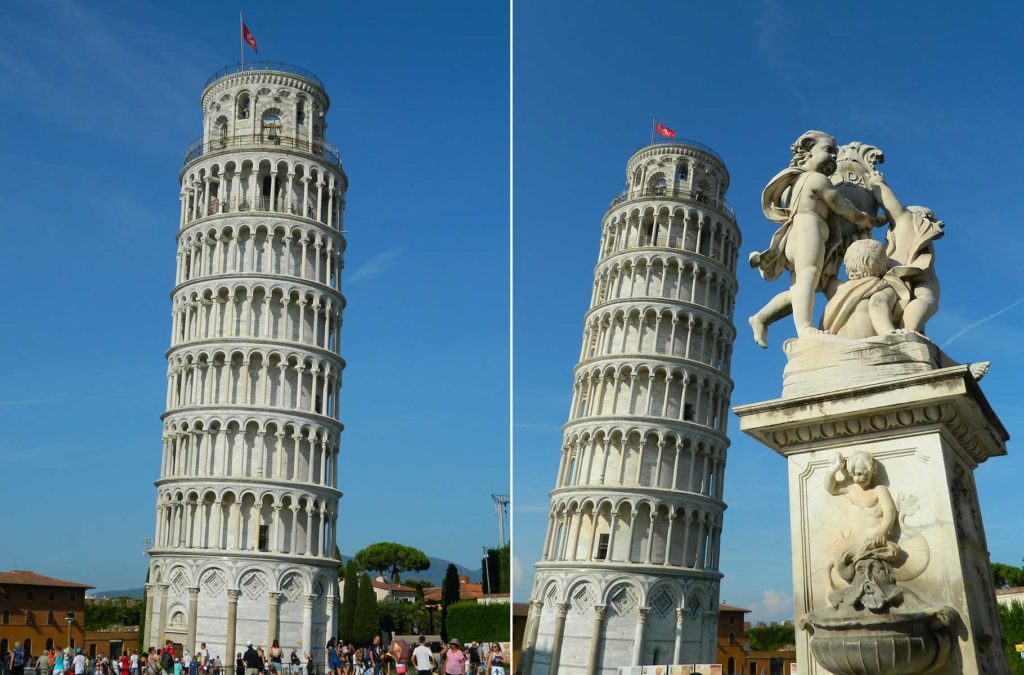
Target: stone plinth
[923, 434]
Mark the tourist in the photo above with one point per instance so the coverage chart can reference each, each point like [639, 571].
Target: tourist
[43, 664]
[177, 666]
[15, 662]
[453, 658]
[374, 654]
[167, 658]
[58, 663]
[276, 656]
[126, 664]
[78, 663]
[186, 662]
[239, 664]
[251, 659]
[133, 662]
[495, 660]
[422, 658]
[474, 656]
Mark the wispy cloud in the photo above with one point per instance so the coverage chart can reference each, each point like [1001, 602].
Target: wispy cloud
[971, 326]
[375, 265]
[30, 401]
[772, 606]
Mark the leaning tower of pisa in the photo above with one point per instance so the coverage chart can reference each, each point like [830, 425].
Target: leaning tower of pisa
[629, 572]
[247, 498]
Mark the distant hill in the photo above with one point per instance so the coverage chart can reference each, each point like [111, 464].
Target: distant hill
[134, 593]
[434, 574]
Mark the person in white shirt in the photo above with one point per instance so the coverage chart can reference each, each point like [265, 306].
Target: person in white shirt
[422, 659]
[79, 662]
[134, 663]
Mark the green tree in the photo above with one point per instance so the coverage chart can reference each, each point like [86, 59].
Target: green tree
[469, 620]
[1004, 576]
[491, 568]
[771, 637]
[449, 596]
[367, 621]
[505, 559]
[1012, 618]
[387, 556]
[347, 614]
[402, 617]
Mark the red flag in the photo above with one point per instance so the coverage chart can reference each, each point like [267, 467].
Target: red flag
[247, 36]
[658, 126]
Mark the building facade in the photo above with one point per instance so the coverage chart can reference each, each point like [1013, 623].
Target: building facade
[247, 497]
[629, 572]
[40, 612]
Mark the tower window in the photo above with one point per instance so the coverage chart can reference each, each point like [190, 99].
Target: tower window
[683, 174]
[300, 113]
[688, 412]
[602, 547]
[263, 538]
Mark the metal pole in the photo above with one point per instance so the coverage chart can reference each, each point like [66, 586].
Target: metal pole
[487, 572]
[241, 47]
[654, 124]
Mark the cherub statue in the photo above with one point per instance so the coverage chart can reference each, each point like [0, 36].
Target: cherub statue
[911, 249]
[858, 485]
[809, 242]
[869, 304]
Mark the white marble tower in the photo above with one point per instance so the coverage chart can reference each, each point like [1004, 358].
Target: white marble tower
[247, 499]
[629, 573]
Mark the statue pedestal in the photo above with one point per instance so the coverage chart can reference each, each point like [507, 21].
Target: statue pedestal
[929, 604]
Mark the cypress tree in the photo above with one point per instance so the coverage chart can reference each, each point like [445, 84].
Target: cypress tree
[367, 621]
[347, 615]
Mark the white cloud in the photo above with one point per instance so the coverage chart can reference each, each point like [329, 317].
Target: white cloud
[374, 265]
[773, 606]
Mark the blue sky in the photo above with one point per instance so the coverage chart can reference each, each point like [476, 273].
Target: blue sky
[935, 85]
[101, 100]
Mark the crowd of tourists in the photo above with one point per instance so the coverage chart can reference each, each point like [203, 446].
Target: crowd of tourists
[399, 658]
[376, 658]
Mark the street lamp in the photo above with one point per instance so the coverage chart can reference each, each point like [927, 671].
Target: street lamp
[70, 618]
[487, 572]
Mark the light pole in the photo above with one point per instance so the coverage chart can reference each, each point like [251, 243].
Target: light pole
[70, 617]
[487, 572]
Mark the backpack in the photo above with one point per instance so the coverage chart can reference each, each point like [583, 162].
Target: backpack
[166, 661]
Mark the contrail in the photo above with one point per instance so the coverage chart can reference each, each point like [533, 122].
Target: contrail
[977, 323]
[31, 401]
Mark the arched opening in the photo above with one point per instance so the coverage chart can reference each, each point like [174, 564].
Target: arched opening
[221, 132]
[270, 128]
[244, 105]
[731, 667]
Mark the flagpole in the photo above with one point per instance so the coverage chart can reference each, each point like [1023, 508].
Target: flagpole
[241, 47]
[654, 123]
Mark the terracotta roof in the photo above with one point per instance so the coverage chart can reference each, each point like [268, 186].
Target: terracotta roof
[731, 608]
[1010, 591]
[467, 591]
[25, 578]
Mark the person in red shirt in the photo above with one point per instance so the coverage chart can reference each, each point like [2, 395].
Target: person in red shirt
[125, 663]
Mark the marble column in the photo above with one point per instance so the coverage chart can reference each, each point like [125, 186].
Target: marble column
[162, 631]
[530, 636]
[595, 639]
[677, 653]
[229, 641]
[272, 616]
[193, 609]
[147, 638]
[556, 640]
[307, 621]
[638, 638]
